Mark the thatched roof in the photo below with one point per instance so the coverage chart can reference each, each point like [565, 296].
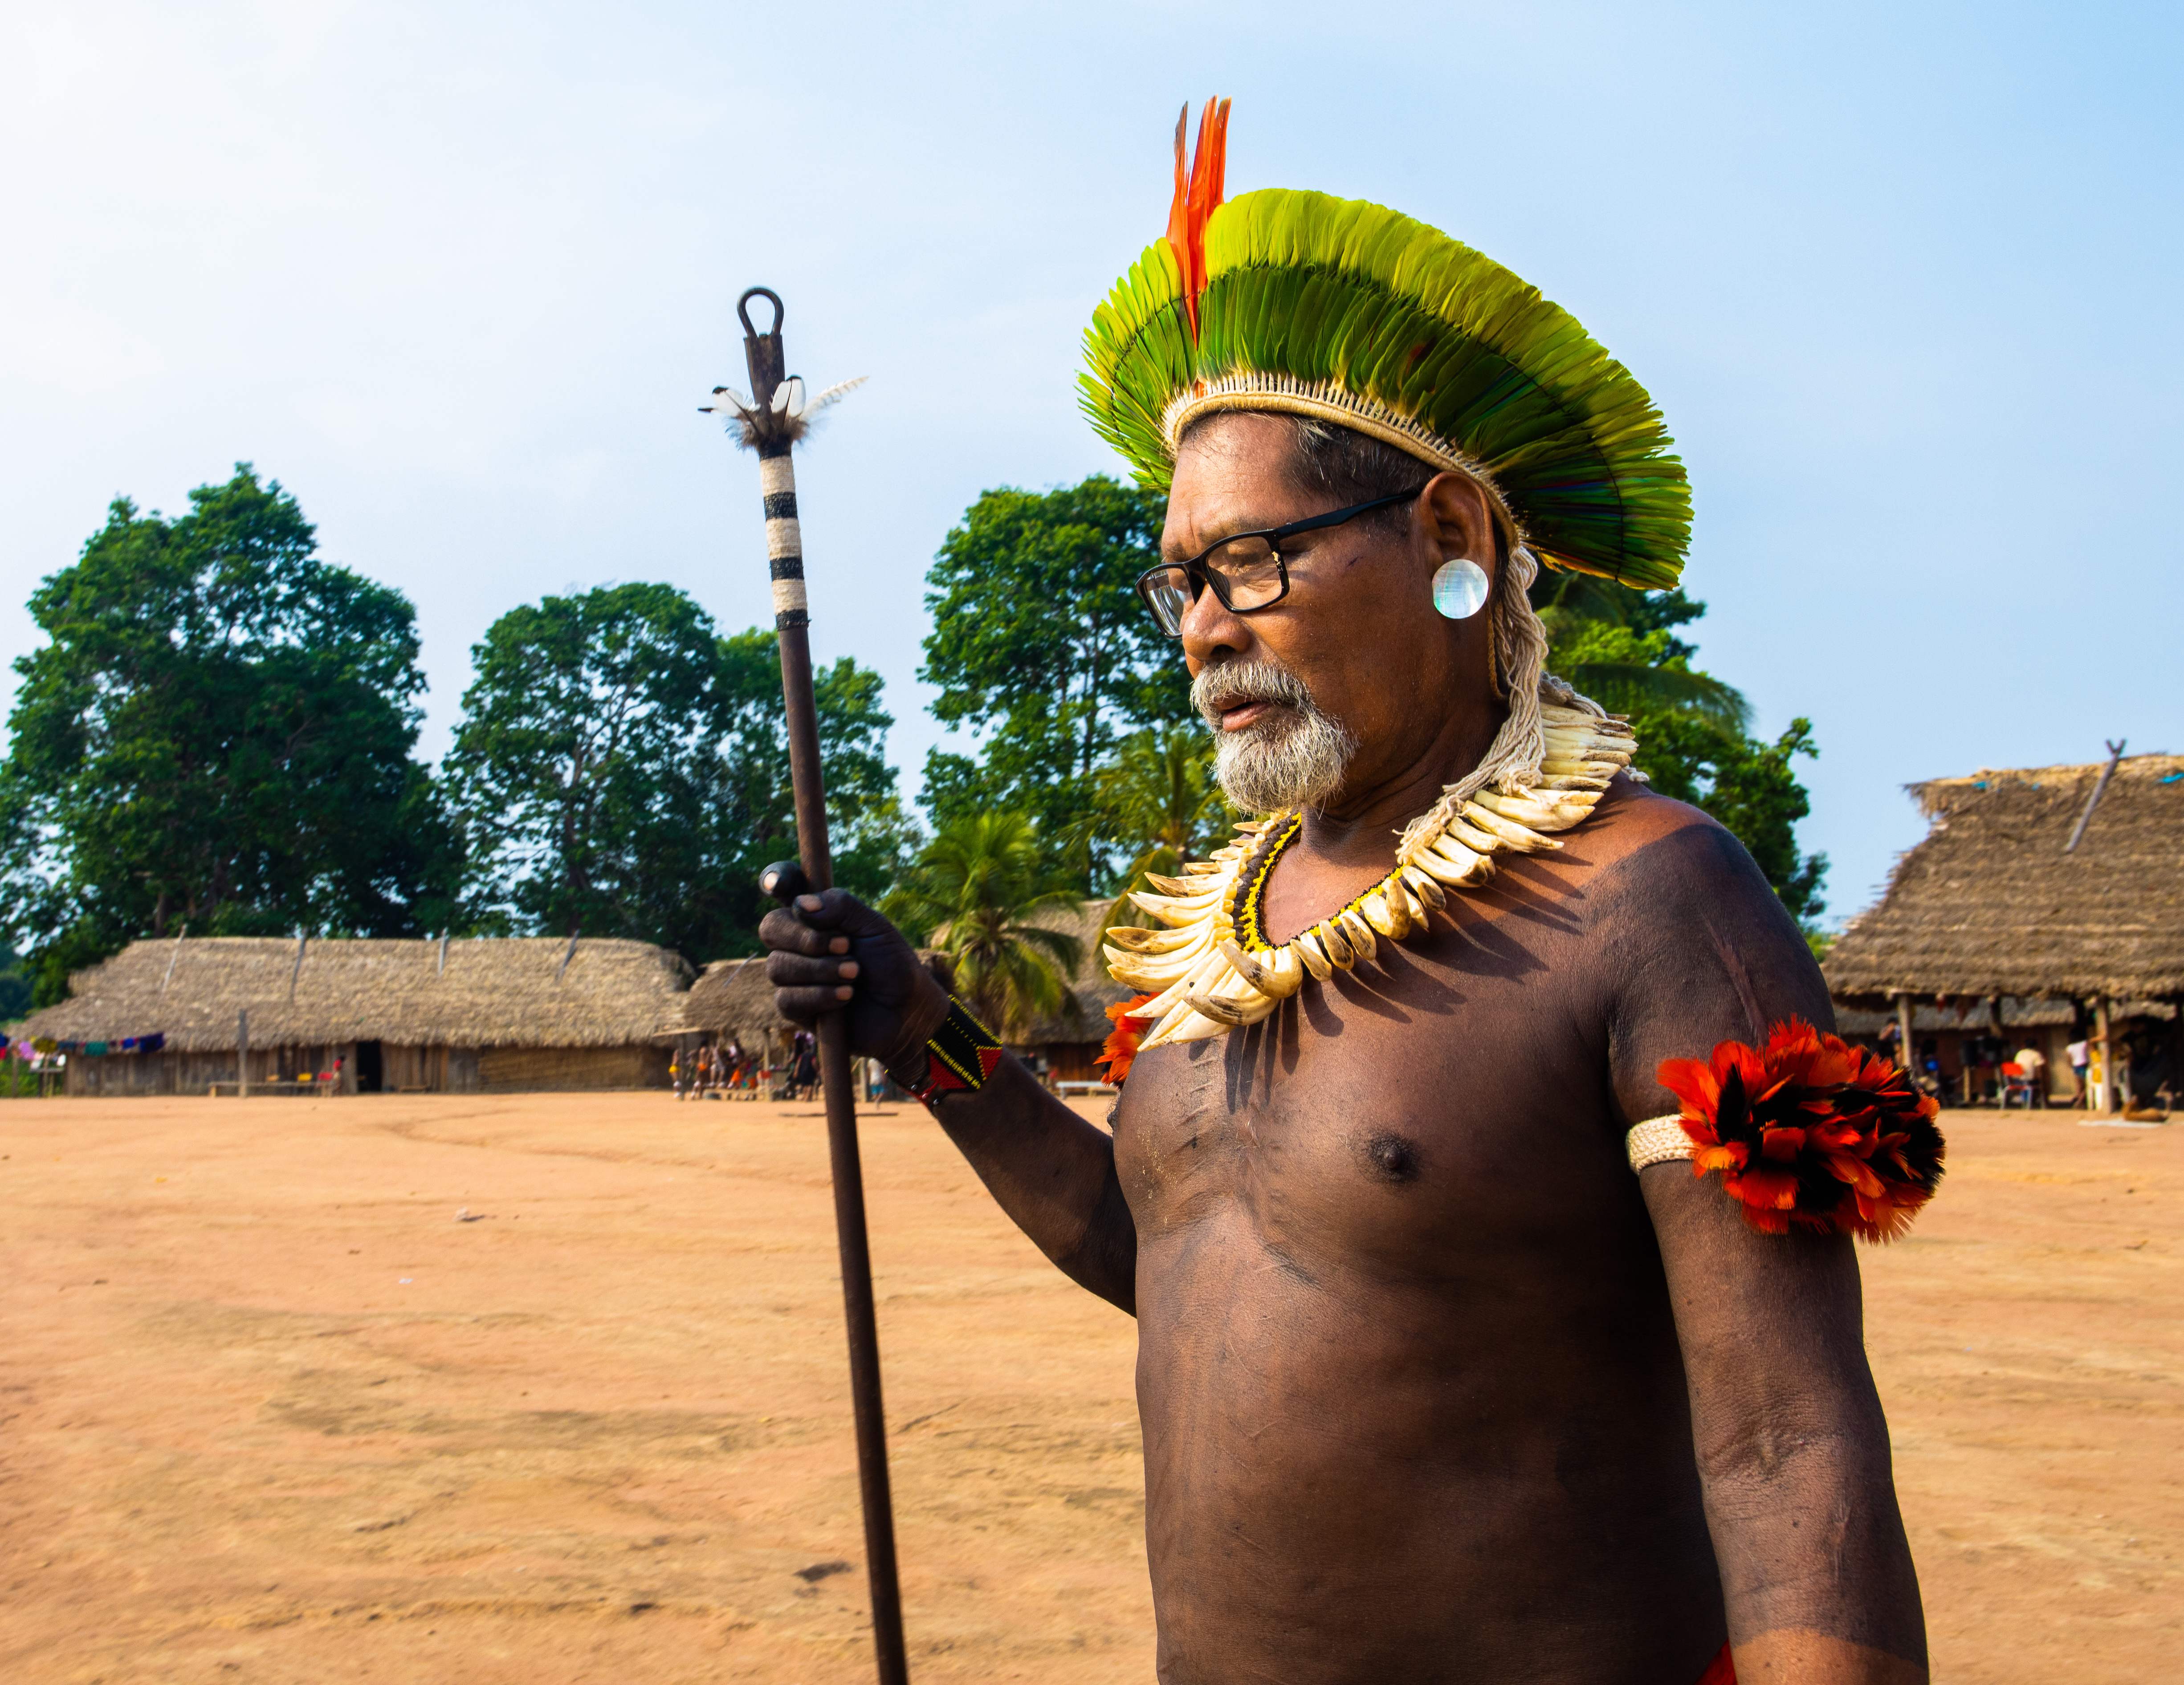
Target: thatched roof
[1990, 903]
[513, 991]
[1092, 988]
[734, 1001]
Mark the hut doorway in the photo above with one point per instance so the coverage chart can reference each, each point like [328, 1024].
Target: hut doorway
[370, 1071]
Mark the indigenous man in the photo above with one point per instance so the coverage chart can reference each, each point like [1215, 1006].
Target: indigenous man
[1433, 1387]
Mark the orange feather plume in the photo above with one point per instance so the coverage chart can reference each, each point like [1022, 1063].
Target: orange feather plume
[1197, 197]
[1810, 1132]
[1121, 1047]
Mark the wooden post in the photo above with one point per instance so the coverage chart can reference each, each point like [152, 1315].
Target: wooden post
[1903, 1048]
[2105, 1086]
[242, 1054]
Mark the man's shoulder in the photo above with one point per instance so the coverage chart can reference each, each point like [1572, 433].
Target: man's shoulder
[1653, 862]
[1637, 835]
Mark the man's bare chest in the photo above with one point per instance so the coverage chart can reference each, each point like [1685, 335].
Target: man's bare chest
[1379, 1117]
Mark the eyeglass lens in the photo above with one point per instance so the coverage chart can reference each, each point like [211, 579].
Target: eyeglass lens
[1245, 573]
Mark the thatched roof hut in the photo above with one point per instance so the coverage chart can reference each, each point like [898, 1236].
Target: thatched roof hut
[732, 1001]
[2045, 904]
[540, 1007]
[1067, 1042]
[1993, 903]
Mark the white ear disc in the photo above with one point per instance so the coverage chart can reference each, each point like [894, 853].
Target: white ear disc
[1459, 588]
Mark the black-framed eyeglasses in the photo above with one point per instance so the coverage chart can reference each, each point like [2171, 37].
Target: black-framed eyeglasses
[1247, 570]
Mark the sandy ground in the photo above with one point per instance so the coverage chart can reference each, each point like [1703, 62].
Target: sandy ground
[268, 1412]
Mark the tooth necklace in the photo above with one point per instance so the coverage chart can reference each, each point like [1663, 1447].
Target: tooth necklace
[1214, 968]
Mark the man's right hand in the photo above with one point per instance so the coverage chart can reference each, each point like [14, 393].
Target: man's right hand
[830, 953]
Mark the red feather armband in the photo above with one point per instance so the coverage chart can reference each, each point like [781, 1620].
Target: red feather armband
[1808, 1132]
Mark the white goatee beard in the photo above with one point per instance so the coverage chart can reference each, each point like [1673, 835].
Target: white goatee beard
[1294, 757]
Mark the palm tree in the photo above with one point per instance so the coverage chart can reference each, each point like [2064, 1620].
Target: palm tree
[1597, 650]
[1158, 795]
[987, 890]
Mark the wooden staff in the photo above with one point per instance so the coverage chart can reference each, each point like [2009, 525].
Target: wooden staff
[770, 422]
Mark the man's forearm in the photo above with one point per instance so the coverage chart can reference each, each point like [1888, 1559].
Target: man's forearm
[1054, 1173]
[1817, 1577]
[1792, 1447]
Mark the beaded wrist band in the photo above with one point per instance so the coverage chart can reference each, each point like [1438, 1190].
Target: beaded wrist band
[961, 1054]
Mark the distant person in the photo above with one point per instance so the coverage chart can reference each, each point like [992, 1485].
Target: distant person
[675, 1074]
[2034, 1064]
[804, 1068]
[2081, 1055]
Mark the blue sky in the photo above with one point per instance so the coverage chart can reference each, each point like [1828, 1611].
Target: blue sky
[1903, 279]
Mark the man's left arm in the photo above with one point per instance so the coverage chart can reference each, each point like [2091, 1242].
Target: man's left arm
[1792, 1448]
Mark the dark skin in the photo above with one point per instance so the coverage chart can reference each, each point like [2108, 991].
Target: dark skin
[1432, 1388]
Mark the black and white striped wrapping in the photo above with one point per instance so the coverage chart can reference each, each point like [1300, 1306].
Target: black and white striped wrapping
[785, 539]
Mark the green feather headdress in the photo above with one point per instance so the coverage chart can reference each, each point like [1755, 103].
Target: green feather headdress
[1355, 314]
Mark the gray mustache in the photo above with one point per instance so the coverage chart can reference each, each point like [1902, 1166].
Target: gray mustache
[1234, 681]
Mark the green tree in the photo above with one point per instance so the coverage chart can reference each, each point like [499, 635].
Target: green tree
[871, 836]
[1040, 647]
[985, 892]
[1618, 647]
[218, 732]
[15, 987]
[623, 771]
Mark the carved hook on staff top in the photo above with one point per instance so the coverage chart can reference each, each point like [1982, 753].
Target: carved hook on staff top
[778, 411]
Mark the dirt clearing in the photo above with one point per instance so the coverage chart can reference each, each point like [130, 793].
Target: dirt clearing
[271, 1410]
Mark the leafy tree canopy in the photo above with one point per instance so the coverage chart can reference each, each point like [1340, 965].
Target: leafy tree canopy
[1618, 647]
[218, 731]
[985, 892]
[1041, 645]
[622, 769]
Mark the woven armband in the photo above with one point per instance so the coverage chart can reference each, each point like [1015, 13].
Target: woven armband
[1656, 1141]
[1808, 1132]
[961, 1054]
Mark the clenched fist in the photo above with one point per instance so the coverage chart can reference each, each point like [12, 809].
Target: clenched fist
[830, 953]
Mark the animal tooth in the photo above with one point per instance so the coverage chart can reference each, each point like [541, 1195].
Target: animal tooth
[1307, 947]
[1516, 836]
[1360, 933]
[1184, 1024]
[1172, 997]
[1421, 886]
[1276, 973]
[1425, 888]
[1171, 911]
[1175, 886]
[1435, 864]
[1236, 1013]
[1472, 837]
[1523, 811]
[1336, 942]
[1387, 909]
[1136, 939]
[1459, 867]
[1142, 974]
